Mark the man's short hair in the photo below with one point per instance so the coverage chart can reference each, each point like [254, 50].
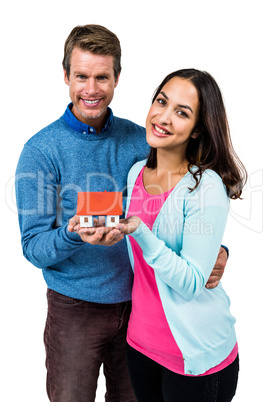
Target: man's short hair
[95, 39]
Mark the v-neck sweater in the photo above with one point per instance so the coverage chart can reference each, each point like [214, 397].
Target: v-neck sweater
[62, 159]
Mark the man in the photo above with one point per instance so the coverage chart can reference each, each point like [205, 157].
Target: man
[89, 285]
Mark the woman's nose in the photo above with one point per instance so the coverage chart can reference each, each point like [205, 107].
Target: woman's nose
[165, 117]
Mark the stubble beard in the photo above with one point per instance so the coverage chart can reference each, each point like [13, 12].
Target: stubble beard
[91, 116]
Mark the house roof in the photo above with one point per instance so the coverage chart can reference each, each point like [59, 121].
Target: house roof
[99, 203]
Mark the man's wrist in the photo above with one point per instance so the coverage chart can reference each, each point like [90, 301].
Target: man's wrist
[226, 249]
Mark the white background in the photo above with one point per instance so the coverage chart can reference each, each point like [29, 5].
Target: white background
[228, 39]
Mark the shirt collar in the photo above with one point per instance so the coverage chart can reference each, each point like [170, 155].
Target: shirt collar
[77, 125]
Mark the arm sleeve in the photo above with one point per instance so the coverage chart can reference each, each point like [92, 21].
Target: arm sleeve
[187, 272]
[43, 243]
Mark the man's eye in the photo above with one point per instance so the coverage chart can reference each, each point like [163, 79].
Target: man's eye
[81, 77]
[102, 77]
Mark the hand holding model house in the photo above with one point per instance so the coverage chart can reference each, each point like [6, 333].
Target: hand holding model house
[106, 204]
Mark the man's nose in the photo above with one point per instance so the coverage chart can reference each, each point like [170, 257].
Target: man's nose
[91, 86]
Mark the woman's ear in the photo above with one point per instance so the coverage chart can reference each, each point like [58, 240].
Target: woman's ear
[195, 133]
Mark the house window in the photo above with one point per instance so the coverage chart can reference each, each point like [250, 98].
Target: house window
[86, 220]
[112, 219]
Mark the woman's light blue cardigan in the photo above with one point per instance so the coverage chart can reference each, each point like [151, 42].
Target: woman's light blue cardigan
[182, 248]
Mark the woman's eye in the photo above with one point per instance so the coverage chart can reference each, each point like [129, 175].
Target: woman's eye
[182, 113]
[161, 101]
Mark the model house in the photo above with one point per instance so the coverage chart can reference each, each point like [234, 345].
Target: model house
[95, 204]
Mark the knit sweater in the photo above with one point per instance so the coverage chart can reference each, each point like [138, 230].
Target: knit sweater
[60, 160]
[182, 248]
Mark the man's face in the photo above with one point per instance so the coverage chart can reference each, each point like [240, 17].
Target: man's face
[92, 83]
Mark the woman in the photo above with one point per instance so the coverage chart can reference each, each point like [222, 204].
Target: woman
[181, 339]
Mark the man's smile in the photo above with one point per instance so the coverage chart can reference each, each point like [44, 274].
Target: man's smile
[91, 102]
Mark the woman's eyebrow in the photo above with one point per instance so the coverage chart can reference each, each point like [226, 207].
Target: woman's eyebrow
[186, 107]
[163, 93]
[182, 106]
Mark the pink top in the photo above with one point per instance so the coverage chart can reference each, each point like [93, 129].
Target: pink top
[148, 329]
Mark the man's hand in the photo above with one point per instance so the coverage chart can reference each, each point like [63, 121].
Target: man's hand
[97, 235]
[218, 269]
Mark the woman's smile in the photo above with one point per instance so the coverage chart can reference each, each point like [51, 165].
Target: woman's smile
[160, 131]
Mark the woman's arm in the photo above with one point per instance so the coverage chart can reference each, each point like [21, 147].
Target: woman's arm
[204, 224]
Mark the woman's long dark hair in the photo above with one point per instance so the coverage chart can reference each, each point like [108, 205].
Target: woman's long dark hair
[212, 149]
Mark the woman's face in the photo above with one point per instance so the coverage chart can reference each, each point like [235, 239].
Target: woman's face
[173, 116]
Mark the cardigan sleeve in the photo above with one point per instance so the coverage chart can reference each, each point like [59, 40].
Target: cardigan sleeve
[205, 216]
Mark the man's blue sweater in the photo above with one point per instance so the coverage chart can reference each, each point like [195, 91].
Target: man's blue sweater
[62, 159]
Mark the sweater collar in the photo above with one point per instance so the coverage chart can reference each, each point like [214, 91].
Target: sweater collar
[83, 128]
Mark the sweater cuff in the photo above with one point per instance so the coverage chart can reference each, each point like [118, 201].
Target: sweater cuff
[227, 250]
[145, 238]
[73, 236]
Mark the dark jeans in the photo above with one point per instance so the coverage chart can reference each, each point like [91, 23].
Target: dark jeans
[154, 383]
[79, 337]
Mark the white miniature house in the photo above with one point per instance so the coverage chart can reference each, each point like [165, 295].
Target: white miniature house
[107, 204]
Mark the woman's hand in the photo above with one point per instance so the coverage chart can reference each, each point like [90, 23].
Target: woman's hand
[129, 225]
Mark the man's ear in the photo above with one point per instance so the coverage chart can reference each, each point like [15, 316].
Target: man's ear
[116, 82]
[66, 80]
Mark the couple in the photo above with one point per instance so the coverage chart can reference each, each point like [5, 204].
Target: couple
[181, 339]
